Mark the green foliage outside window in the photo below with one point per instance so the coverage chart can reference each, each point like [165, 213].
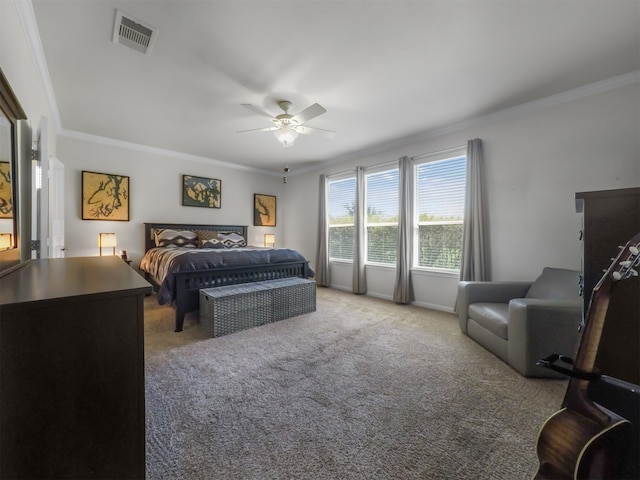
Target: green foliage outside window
[382, 244]
[341, 242]
[440, 246]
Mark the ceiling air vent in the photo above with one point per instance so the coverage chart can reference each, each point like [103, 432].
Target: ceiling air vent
[131, 33]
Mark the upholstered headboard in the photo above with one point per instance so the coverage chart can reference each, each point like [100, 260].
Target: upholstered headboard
[150, 228]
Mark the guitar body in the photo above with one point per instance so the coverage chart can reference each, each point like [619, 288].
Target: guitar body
[572, 446]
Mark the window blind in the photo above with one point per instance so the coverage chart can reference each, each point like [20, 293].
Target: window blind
[382, 216]
[341, 210]
[440, 194]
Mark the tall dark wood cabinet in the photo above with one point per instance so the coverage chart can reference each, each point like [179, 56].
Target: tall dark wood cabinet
[610, 219]
[72, 370]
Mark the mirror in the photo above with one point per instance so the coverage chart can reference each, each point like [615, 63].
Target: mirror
[10, 114]
[7, 228]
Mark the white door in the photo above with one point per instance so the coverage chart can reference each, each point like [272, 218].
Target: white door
[56, 208]
[40, 190]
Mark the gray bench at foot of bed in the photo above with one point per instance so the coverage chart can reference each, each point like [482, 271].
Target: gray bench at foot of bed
[228, 309]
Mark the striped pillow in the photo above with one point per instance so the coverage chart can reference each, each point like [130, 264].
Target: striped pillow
[232, 239]
[211, 243]
[210, 239]
[173, 238]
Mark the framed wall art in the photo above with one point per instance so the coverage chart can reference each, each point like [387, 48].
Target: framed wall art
[6, 202]
[264, 210]
[105, 196]
[201, 192]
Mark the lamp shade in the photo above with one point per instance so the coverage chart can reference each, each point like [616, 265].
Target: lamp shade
[6, 241]
[107, 240]
[269, 240]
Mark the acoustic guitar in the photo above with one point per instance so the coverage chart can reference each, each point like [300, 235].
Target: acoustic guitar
[585, 440]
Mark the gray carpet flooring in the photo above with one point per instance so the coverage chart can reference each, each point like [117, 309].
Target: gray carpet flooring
[360, 389]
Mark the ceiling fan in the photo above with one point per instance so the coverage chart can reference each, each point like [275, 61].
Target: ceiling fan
[286, 126]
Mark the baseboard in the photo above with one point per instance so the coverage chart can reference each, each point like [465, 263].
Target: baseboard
[430, 306]
[433, 306]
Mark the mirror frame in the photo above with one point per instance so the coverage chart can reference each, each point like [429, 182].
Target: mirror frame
[12, 109]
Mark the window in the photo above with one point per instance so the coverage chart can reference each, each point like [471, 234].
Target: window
[382, 216]
[439, 207]
[341, 207]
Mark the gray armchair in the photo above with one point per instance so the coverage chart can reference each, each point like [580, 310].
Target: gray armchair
[522, 322]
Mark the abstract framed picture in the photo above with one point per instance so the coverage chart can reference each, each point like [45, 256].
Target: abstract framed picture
[6, 202]
[201, 191]
[105, 196]
[264, 210]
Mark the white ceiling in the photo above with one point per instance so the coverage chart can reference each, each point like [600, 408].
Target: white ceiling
[384, 70]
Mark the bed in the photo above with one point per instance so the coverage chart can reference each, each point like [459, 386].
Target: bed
[178, 268]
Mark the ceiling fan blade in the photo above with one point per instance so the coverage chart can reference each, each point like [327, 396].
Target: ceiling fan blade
[315, 131]
[310, 112]
[257, 110]
[266, 129]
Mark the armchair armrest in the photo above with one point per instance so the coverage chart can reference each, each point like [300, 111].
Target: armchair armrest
[538, 327]
[486, 292]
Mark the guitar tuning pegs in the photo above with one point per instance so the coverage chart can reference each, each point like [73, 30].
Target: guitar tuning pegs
[616, 275]
[634, 250]
[634, 273]
[626, 263]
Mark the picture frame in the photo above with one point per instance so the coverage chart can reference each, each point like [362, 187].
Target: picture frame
[264, 210]
[201, 192]
[6, 200]
[105, 196]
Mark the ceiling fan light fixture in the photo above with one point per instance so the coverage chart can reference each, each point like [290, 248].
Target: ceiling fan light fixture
[286, 135]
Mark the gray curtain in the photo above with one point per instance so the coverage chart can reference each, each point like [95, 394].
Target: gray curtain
[322, 249]
[475, 247]
[402, 289]
[359, 282]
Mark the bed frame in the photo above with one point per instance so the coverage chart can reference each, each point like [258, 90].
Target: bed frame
[189, 284]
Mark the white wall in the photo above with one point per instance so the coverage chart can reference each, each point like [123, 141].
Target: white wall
[535, 162]
[156, 195]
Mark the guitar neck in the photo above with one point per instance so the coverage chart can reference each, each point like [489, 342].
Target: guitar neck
[623, 266]
[576, 397]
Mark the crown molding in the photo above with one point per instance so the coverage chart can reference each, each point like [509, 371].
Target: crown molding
[88, 137]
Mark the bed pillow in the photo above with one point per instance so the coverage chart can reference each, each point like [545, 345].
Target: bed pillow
[211, 243]
[210, 239]
[173, 238]
[232, 239]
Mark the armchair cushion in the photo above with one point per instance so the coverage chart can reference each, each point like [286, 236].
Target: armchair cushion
[492, 316]
[486, 292]
[555, 283]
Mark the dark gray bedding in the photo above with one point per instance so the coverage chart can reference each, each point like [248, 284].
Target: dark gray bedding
[162, 263]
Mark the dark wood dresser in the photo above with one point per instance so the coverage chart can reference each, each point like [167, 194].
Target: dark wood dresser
[72, 370]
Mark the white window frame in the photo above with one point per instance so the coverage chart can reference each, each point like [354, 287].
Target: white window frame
[444, 155]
